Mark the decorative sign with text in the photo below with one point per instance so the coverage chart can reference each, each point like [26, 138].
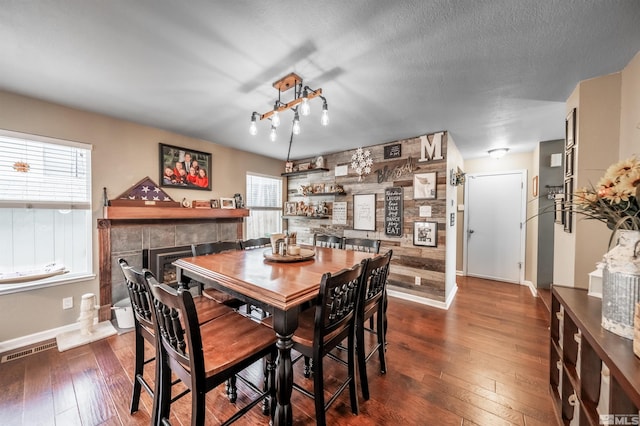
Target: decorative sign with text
[393, 151]
[393, 211]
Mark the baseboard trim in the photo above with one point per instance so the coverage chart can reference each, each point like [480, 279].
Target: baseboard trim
[460, 273]
[424, 300]
[32, 339]
[534, 291]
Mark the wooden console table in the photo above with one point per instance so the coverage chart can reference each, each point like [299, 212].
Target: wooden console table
[579, 347]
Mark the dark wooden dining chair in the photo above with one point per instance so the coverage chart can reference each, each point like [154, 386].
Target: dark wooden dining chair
[374, 303]
[218, 247]
[324, 240]
[362, 244]
[321, 330]
[205, 356]
[141, 303]
[255, 243]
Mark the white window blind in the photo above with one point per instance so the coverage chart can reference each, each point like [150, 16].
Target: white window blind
[41, 172]
[45, 210]
[264, 192]
[264, 200]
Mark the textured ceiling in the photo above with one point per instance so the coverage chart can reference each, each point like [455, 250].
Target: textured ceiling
[492, 73]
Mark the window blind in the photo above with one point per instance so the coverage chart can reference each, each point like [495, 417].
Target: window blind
[40, 172]
[264, 192]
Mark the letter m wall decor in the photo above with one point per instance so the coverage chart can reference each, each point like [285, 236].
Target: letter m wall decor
[431, 150]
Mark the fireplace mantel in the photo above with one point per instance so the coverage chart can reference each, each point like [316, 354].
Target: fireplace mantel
[150, 212]
[130, 219]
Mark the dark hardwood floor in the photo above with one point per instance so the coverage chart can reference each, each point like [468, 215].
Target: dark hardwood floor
[482, 362]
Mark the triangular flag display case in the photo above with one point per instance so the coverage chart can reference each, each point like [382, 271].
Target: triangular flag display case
[144, 193]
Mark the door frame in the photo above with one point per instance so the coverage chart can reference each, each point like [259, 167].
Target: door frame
[523, 217]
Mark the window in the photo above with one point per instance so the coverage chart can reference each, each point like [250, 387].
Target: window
[45, 210]
[264, 200]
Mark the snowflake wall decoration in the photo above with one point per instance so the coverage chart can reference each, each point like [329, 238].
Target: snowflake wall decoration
[361, 162]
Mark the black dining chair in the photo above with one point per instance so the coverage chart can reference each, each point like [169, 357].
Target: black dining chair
[374, 303]
[142, 305]
[321, 330]
[212, 248]
[324, 240]
[362, 244]
[253, 243]
[205, 356]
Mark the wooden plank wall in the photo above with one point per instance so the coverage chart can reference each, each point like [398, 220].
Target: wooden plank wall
[409, 261]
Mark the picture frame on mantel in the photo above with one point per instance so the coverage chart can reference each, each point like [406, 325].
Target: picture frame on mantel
[176, 164]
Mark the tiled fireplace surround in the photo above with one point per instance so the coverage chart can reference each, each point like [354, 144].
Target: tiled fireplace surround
[128, 239]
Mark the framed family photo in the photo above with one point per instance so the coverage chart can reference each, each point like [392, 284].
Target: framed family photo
[424, 186]
[425, 234]
[185, 168]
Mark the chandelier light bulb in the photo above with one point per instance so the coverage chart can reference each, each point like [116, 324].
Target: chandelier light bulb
[253, 129]
[305, 109]
[324, 120]
[275, 119]
[296, 125]
[273, 135]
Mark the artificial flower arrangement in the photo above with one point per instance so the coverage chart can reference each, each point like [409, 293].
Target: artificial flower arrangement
[615, 198]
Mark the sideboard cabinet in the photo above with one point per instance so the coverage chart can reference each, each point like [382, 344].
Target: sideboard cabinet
[594, 376]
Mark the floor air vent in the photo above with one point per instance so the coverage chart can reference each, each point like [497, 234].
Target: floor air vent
[26, 352]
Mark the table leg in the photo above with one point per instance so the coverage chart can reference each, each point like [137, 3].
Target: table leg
[284, 324]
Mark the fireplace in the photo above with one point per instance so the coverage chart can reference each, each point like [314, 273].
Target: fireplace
[159, 261]
[127, 232]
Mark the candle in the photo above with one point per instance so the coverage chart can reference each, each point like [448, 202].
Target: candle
[293, 251]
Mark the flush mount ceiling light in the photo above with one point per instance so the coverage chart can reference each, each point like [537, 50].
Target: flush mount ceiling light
[498, 152]
[299, 105]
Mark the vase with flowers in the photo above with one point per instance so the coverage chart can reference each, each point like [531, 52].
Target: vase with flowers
[615, 200]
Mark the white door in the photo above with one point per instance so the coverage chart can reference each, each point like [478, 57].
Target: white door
[494, 225]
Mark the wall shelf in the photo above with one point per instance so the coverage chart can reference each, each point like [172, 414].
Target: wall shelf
[319, 194]
[291, 216]
[303, 172]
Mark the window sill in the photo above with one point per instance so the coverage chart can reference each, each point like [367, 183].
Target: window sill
[46, 282]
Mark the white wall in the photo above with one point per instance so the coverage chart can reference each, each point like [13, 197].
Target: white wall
[454, 161]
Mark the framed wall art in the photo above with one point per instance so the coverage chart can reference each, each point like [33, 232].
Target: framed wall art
[185, 168]
[570, 129]
[568, 205]
[364, 212]
[424, 186]
[425, 234]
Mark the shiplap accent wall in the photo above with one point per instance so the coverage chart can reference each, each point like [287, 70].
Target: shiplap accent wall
[409, 261]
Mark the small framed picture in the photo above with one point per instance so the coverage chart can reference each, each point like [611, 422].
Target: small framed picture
[290, 208]
[318, 188]
[215, 204]
[558, 205]
[568, 205]
[570, 129]
[228, 203]
[424, 186]
[568, 161]
[425, 234]
[303, 166]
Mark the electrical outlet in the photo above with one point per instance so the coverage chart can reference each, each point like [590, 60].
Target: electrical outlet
[418, 279]
[67, 303]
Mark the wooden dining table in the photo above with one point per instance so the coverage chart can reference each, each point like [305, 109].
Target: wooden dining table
[278, 287]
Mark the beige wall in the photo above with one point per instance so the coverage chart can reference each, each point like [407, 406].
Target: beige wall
[123, 153]
[630, 110]
[516, 161]
[597, 103]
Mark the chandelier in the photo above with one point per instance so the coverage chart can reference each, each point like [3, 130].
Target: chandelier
[299, 105]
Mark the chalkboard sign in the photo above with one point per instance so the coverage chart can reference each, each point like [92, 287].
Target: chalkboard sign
[393, 211]
[393, 151]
